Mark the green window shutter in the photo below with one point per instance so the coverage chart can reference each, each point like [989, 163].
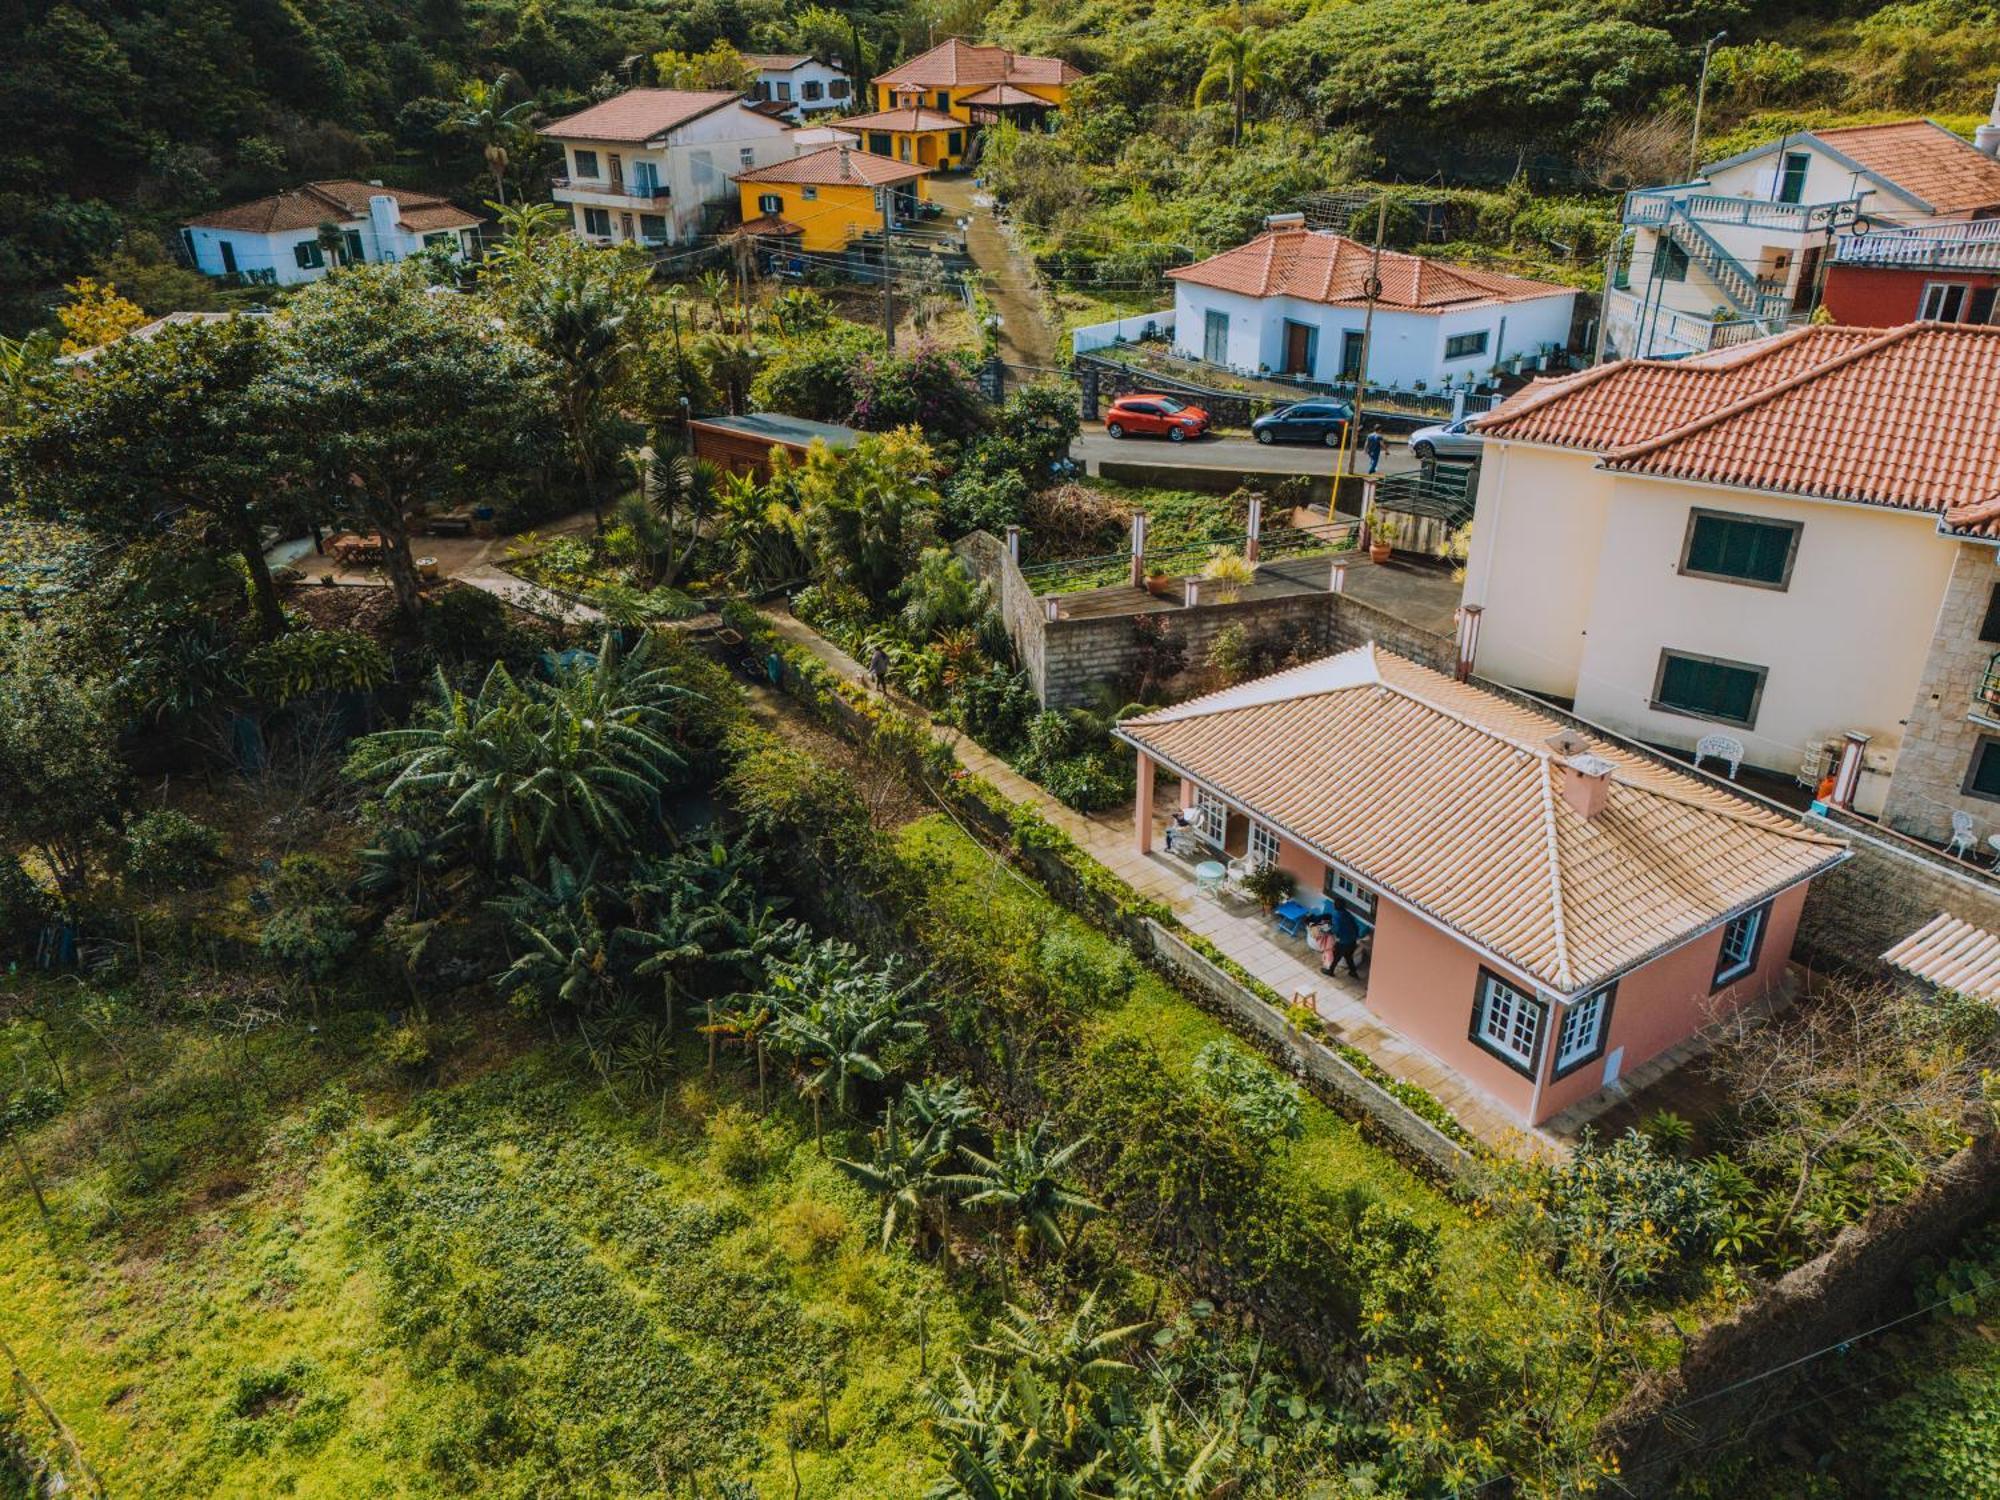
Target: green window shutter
[1733, 547]
[1713, 689]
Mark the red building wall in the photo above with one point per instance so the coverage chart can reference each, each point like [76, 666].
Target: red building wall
[1886, 296]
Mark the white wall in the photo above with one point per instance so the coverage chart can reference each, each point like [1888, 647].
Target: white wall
[694, 163]
[276, 252]
[810, 71]
[1120, 330]
[1404, 347]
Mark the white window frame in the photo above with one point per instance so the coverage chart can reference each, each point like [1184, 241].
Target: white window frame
[810, 192]
[770, 203]
[1741, 939]
[1581, 1035]
[1936, 294]
[1344, 887]
[1211, 816]
[1263, 845]
[747, 155]
[1508, 1023]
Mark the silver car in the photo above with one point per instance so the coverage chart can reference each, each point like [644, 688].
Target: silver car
[1454, 442]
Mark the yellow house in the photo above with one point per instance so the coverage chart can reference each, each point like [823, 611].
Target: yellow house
[920, 137]
[828, 197]
[978, 85]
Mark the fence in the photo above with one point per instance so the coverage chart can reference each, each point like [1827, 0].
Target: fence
[1102, 376]
[1122, 331]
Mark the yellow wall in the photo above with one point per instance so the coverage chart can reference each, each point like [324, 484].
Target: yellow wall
[923, 148]
[830, 220]
[885, 96]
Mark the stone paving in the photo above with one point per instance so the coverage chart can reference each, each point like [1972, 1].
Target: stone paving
[1241, 931]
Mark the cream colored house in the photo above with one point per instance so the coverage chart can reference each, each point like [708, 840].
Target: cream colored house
[1760, 544]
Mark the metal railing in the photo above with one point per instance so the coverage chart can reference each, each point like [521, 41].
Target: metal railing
[1972, 246]
[1655, 206]
[1986, 697]
[612, 189]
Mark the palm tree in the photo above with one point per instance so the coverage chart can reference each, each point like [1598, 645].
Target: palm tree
[679, 490]
[731, 361]
[715, 287]
[1024, 1177]
[1238, 59]
[499, 127]
[579, 320]
[331, 241]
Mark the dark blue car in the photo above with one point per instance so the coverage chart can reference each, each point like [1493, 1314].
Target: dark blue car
[1320, 421]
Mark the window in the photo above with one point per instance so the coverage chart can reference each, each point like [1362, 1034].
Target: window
[1989, 630]
[309, 255]
[879, 143]
[586, 163]
[443, 240]
[1465, 345]
[1741, 940]
[1356, 895]
[1740, 549]
[810, 192]
[1506, 1022]
[1584, 1027]
[836, 88]
[784, 91]
[955, 142]
[1263, 846]
[351, 239]
[652, 226]
[1943, 301]
[228, 257]
[747, 155]
[1708, 687]
[810, 90]
[770, 203]
[1982, 777]
[1670, 260]
[943, 100]
[1212, 815]
[597, 221]
[1792, 177]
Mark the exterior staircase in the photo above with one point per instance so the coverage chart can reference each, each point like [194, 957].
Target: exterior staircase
[1735, 279]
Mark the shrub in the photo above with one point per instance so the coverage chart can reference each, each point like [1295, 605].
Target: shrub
[471, 625]
[1086, 971]
[811, 1228]
[1638, 1213]
[1265, 1105]
[168, 850]
[1229, 653]
[736, 1145]
[1268, 885]
[406, 1048]
[24, 906]
[312, 939]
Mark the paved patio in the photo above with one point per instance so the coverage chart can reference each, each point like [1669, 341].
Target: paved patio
[1239, 929]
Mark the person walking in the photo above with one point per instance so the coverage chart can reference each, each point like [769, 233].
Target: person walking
[1373, 444]
[1346, 938]
[878, 668]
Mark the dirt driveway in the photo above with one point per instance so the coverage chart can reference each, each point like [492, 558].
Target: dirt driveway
[1007, 276]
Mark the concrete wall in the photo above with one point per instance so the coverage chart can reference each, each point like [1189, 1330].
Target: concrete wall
[1939, 737]
[1888, 296]
[1890, 888]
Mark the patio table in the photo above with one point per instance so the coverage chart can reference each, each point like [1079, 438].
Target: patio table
[1209, 875]
[1289, 916]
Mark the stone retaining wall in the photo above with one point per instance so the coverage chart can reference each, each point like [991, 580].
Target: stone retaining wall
[1890, 888]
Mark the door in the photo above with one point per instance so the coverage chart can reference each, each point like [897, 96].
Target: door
[228, 258]
[1215, 337]
[1350, 354]
[646, 179]
[1805, 295]
[617, 173]
[1298, 348]
[625, 225]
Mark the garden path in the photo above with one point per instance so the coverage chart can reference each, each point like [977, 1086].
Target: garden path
[1245, 934]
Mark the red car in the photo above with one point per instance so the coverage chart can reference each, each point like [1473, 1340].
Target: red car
[1155, 416]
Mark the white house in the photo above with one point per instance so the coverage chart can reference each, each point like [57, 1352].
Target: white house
[804, 84]
[1790, 545]
[641, 165]
[1739, 252]
[276, 241]
[1293, 300]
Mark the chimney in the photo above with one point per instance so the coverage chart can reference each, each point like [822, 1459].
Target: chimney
[1987, 136]
[843, 163]
[1586, 783]
[1285, 223]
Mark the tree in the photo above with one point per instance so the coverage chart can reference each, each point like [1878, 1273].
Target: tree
[720, 67]
[869, 511]
[1024, 1177]
[389, 394]
[581, 321]
[1238, 60]
[95, 315]
[23, 362]
[157, 429]
[836, 1014]
[676, 494]
[731, 361]
[500, 124]
[61, 782]
[904, 1172]
[565, 953]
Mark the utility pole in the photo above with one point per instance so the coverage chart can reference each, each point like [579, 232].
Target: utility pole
[888, 287]
[1371, 288]
[1700, 96]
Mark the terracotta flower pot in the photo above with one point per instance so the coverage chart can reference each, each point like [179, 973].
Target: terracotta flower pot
[1378, 552]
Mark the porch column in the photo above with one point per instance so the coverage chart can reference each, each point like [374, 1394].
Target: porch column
[1337, 584]
[1139, 550]
[1142, 806]
[1187, 792]
[1847, 777]
[1014, 543]
[1468, 639]
[1256, 525]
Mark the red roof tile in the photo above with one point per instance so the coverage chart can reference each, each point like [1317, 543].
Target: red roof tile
[639, 114]
[1908, 418]
[338, 200]
[767, 224]
[1004, 93]
[1320, 267]
[1920, 156]
[834, 165]
[901, 119]
[776, 62]
[954, 63]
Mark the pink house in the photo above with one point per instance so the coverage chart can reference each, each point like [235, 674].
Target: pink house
[1548, 910]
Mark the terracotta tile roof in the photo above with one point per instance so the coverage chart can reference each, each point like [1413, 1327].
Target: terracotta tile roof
[902, 119]
[1316, 266]
[804, 136]
[1951, 954]
[834, 165]
[955, 63]
[1449, 797]
[767, 224]
[341, 199]
[776, 62]
[1927, 161]
[1004, 93]
[639, 114]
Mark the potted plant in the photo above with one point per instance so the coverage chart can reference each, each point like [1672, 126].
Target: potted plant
[1383, 534]
[1268, 886]
[1160, 583]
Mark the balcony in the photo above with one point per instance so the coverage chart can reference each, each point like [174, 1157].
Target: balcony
[1973, 246]
[1654, 207]
[1986, 697]
[611, 188]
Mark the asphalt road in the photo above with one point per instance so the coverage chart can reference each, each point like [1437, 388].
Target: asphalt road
[1244, 455]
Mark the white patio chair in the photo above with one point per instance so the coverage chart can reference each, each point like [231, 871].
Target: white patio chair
[1723, 748]
[1964, 834]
